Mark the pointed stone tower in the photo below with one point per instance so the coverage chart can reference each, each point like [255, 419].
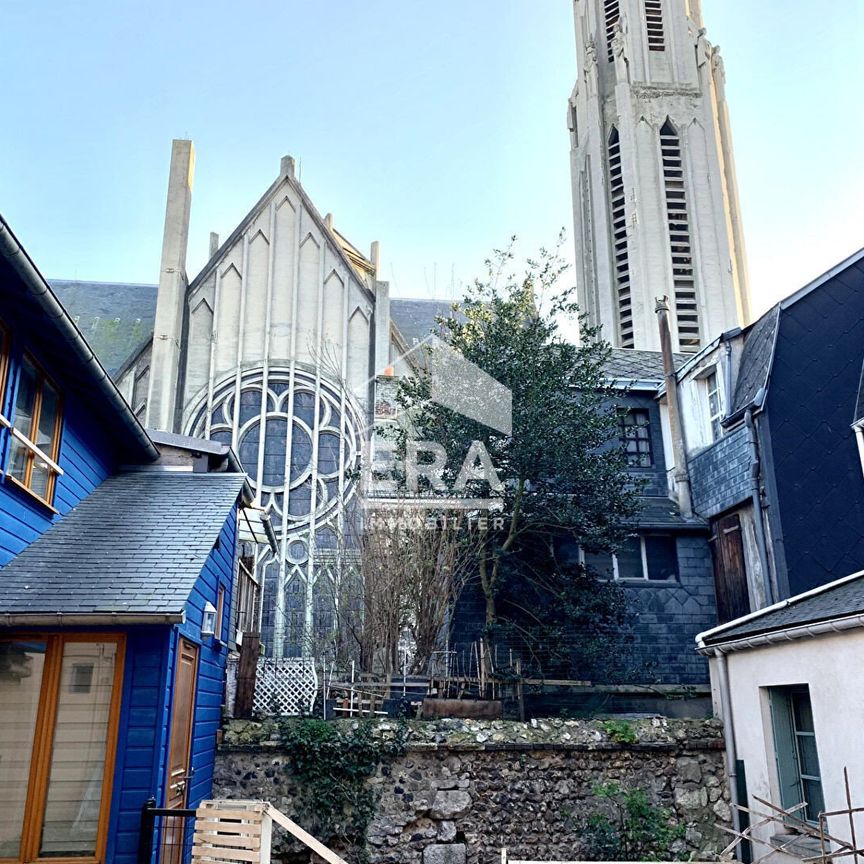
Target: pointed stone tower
[654, 193]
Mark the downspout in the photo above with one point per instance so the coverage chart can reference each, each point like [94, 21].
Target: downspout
[680, 474]
[758, 516]
[727, 377]
[728, 735]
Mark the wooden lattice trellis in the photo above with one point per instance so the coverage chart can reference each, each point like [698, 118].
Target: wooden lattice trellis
[285, 687]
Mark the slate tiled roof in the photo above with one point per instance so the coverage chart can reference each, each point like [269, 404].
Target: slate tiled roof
[755, 365]
[837, 600]
[630, 364]
[136, 545]
[663, 513]
[114, 317]
[416, 319]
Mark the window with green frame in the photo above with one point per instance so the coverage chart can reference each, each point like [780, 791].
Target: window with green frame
[35, 432]
[795, 751]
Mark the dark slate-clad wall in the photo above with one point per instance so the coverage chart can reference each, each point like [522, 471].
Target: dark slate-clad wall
[811, 403]
[654, 478]
[671, 615]
[720, 474]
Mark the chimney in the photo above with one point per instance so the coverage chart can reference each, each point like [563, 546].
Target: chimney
[167, 330]
[375, 256]
[680, 474]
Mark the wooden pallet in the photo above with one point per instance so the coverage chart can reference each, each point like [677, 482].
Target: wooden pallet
[240, 832]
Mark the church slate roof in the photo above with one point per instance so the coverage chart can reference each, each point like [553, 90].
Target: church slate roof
[416, 319]
[114, 317]
[135, 545]
[117, 318]
[839, 599]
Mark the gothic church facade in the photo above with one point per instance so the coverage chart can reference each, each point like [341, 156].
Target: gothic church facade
[273, 348]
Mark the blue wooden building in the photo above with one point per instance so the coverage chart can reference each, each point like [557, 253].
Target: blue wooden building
[117, 567]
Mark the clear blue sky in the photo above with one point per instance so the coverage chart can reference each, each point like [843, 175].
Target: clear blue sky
[436, 128]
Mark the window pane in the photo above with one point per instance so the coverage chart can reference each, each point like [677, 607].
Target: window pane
[39, 478]
[662, 557]
[18, 456]
[809, 756]
[630, 559]
[78, 756]
[802, 711]
[48, 412]
[21, 665]
[813, 796]
[26, 399]
[22, 420]
[599, 563]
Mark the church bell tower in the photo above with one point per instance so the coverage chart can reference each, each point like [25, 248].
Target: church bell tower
[655, 198]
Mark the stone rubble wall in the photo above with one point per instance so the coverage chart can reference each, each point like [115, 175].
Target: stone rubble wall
[465, 789]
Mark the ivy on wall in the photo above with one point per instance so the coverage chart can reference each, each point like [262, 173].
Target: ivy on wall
[332, 764]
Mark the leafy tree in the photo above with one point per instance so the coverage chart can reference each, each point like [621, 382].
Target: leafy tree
[561, 471]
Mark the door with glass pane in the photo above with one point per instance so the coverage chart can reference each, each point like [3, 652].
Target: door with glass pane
[59, 701]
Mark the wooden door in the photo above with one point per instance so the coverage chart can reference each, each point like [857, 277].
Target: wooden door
[730, 571]
[179, 751]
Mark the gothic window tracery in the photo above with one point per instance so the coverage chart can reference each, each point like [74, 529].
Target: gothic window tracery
[304, 471]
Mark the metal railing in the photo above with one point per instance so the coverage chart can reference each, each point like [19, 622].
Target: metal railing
[166, 834]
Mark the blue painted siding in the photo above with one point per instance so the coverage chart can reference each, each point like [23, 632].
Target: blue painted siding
[142, 727]
[141, 770]
[219, 570]
[87, 457]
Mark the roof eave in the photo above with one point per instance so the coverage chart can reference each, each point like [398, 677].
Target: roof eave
[88, 619]
[12, 250]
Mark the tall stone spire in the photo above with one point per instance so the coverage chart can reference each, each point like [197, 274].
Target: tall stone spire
[655, 198]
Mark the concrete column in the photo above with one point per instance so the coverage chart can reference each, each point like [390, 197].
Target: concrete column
[168, 327]
[382, 327]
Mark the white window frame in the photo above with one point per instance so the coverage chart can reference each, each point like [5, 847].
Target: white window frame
[714, 417]
[635, 579]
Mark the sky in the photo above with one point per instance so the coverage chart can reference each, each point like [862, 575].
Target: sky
[438, 129]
